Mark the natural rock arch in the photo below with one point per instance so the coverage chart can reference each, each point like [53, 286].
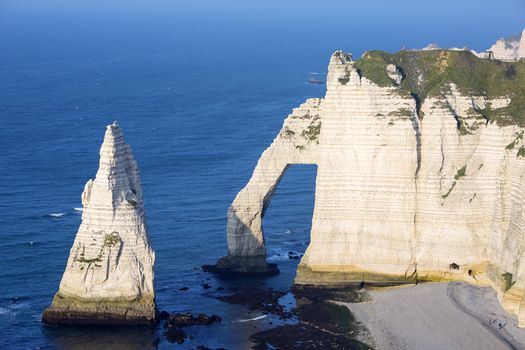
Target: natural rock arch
[409, 187]
[296, 143]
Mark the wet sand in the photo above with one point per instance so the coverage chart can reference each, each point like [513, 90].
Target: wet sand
[437, 316]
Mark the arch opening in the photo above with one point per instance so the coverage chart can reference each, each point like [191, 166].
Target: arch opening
[288, 228]
[287, 218]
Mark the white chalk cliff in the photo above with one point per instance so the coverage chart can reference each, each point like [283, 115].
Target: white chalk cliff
[409, 188]
[109, 274]
[510, 48]
[297, 143]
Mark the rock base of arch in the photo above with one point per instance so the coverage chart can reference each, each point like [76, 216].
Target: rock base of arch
[242, 266]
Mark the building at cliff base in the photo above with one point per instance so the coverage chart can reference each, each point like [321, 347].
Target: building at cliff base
[109, 274]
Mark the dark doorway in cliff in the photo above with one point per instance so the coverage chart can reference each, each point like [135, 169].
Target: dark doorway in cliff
[288, 219]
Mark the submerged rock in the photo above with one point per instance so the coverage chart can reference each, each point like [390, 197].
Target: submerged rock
[316, 322]
[174, 333]
[302, 337]
[164, 315]
[321, 325]
[109, 274]
[294, 255]
[265, 300]
[187, 319]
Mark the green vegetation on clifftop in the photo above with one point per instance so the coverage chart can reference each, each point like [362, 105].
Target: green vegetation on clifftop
[428, 73]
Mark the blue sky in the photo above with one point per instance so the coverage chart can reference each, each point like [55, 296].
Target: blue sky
[354, 26]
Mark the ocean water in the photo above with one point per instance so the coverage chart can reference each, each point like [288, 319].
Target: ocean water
[199, 95]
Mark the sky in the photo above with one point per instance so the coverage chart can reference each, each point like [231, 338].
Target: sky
[380, 24]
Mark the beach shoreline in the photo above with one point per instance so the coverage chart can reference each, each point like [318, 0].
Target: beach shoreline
[451, 315]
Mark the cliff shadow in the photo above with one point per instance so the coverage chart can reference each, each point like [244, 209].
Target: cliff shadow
[102, 337]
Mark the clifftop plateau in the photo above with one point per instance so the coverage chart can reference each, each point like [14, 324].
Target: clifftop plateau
[429, 73]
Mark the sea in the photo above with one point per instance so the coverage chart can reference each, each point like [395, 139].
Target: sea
[200, 91]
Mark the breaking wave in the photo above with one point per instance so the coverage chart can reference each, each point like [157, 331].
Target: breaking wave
[254, 319]
[284, 254]
[13, 309]
[278, 255]
[57, 215]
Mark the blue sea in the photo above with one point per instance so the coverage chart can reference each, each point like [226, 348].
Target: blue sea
[200, 90]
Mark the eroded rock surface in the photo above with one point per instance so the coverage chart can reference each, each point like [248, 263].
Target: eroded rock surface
[419, 179]
[109, 274]
[394, 73]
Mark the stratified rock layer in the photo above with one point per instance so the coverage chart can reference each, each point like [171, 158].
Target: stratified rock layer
[109, 273]
[407, 190]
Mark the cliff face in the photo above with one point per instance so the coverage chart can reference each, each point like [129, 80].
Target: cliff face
[109, 273]
[420, 175]
[511, 48]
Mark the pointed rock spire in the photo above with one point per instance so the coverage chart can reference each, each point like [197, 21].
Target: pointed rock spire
[109, 273]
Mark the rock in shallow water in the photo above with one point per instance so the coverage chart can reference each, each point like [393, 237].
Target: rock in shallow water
[316, 323]
[187, 319]
[175, 335]
[175, 321]
[265, 300]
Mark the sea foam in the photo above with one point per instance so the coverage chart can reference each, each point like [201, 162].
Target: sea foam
[254, 319]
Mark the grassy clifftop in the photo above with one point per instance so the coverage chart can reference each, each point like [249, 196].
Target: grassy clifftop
[427, 73]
